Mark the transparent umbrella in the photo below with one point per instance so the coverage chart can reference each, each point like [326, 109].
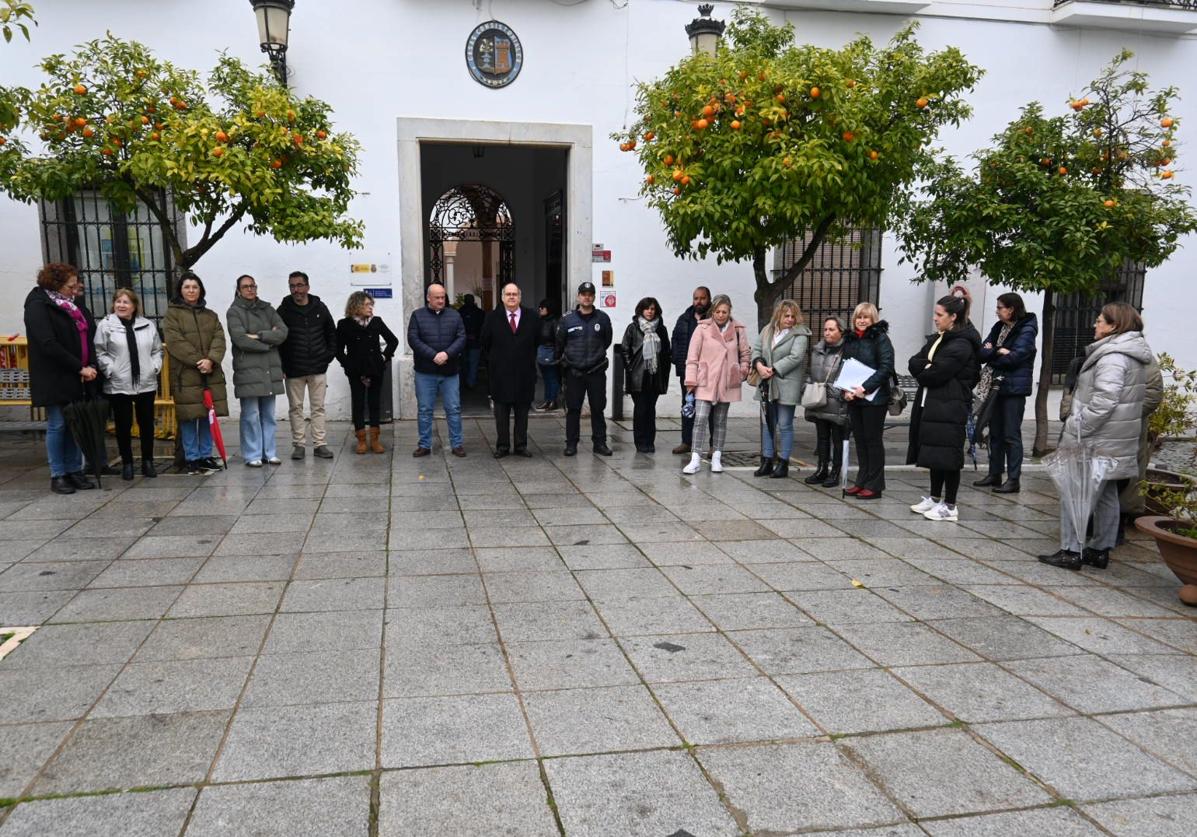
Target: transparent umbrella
[1078, 472]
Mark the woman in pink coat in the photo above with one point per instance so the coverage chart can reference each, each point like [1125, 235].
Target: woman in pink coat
[716, 365]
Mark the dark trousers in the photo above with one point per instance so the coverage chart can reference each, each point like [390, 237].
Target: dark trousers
[123, 408]
[366, 402]
[1005, 436]
[503, 411]
[945, 484]
[829, 442]
[591, 386]
[644, 416]
[868, 423]
[688, 423]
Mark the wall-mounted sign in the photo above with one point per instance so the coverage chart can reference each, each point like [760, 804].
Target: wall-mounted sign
[363, 268]
[493, 54]
[380, 293]
[608, 300]
[599, 256]
[608, 278]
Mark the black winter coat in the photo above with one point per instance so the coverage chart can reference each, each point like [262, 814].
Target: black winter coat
[683, 330]
[875, 351]
[1017, 368]
[633, 358]
[430, 332]
[547, 336]
[358, 351]
[311, 342]
[582, 341]
[472, 318]
[943, 400]
[511, 358]
[55, 354]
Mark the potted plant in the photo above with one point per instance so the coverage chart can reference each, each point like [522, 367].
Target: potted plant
[1174, 418]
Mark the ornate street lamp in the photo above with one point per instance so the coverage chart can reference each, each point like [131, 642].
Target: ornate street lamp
[274, 24]
[704, 32]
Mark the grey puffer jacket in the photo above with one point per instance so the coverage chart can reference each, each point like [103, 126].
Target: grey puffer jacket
[257, 366]
[1107, 404]
[825, 363]
[113, 357]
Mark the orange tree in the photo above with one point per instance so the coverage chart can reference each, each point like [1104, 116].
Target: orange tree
[239, 149]
[1058, 204]
[766, 139]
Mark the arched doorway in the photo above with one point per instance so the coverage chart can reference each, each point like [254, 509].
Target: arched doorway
[471, 243]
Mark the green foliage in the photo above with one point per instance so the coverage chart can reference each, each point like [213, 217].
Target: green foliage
[793, 137]
[115, 118]
[1180, 501]
[1176, 415]
[1059, 203]
[11, 14]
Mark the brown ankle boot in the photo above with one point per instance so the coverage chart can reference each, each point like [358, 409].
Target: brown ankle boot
[361, 441]
[375, 444]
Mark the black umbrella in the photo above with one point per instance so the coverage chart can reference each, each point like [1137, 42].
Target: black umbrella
[88, 422]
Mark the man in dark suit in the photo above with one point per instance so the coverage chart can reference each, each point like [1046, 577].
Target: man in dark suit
[509, 343]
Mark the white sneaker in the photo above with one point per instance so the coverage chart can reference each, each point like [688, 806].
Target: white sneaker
[717, 462]
[942, 511]
[274, 460]
[692, 468]
[254, 463]
[924, 505]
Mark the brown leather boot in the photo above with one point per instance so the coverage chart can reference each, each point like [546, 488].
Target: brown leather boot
[361, 441]
[375, 444]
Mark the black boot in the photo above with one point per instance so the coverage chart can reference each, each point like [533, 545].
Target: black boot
[819, 475]
[988, 480]
[1096, 558]
[1064, 558]
[147, 468]
[766, 467]
[1008, 487]
[781, 470]
[61, 485]
[127, 471]
[833, 477]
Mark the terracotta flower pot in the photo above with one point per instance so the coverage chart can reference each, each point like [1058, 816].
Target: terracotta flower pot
[1177, 551]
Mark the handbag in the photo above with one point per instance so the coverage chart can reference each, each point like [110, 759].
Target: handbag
[814, 393]
[897, 396]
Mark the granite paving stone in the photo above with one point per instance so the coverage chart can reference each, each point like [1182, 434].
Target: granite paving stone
[425, 731]
[576, 721]
[51, 693]
[681, 657]
[445, 625]
[416, 670]
[313, 677]
[904, 644]
[730, 711]
[1091, 684]
[1058, 822]
[549, 620]
[119, 603]
[570, 663]
[163, 687]
[799, 650]
[130, 815]
[1168, 733]
[975, 692]
[332, 630]
[235, 599]
[24, 748]
[636, 617]
[1161, 816]
[341, 565]
[878, 702]
[334, 805]
[334, 594]
[82, 644]
[50, 575]
[745, 611]
[1004, 638]
[205, 636]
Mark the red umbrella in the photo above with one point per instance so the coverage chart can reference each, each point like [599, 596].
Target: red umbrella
[214, 425]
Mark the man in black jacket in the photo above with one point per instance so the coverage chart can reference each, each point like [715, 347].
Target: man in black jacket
[583, 338]
[437, 338]
[680, 344]
[310, 346]
[509, 343]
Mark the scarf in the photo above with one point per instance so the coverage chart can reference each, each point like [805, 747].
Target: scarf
[364, 322]
[860, 332]
[651, 349]
[986, 382]
[780, 335]
[134, 358]
[67, 304]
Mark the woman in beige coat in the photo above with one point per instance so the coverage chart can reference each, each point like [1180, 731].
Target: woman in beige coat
[716, 366]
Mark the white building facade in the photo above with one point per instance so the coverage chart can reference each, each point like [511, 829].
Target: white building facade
[438, 146]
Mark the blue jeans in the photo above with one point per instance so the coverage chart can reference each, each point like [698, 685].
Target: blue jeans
[548, 371]
[64, 455]
[469, 365]
[428, 384]
[1005, 436]
[197, 438]
[782, 417]
[257, 428]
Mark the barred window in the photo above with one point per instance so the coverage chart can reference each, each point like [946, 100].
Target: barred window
[845, 271]
[112, 249]
[1074, 315]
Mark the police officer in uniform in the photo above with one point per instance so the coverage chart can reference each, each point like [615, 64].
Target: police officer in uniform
[583, 338]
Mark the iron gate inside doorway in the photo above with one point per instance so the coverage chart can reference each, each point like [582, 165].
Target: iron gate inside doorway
[471, 212]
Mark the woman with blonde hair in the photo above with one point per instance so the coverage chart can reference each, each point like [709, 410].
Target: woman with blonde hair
[129, 354]
[365, 363]
[779, 357]
[868, 343]
[716, 366]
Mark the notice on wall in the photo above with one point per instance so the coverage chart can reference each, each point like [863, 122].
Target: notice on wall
[600, 256]
[608, 278]
[609, 300]
[380, 293]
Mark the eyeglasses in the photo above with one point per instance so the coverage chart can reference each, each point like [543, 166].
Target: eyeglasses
[298, 285]
[249, 287]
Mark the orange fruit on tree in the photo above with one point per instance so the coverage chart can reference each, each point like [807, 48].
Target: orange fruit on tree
[781, 97]
[874, 154]
[631, 143]
[677, 113]
[850, 83]
[145, 120]
[708, 110]
[735, 124]
[1167, 122]
[290, 116]
[1166, 143]
[107, 152]
[80, 90]
[676, 190]
[3, 141]
[701, 124]
[740, 111]
[155, 136]
[116, 141]
[221, 136]
[1166, 175]
[58, 117]
[921, 102]
[685, 181]
[649, 136]
[678, 174]
[787, 161]
[667, 159]
[730, 98]
[276, 164]
[1063, 170]
[761, 75]
[848, 136]
[815, 92]
[89, 132]
[80, 121]
[650, 180]
[298, 138]
[1108, 204]
[218, 151]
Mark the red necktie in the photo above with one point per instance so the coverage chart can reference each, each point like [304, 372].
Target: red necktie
[512, 315]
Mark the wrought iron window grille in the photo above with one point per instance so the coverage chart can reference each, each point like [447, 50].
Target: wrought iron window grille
[844, 272]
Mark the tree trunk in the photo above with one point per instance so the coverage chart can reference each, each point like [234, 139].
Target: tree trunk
[764, 289]
[1045, 374]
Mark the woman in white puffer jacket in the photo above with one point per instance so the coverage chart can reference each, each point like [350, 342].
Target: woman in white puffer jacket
[1107, 411]
[129, 354]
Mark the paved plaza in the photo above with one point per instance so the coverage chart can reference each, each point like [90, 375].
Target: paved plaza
[582, 646]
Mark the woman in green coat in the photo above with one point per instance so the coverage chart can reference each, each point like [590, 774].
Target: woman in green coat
[256, 330]
[779, 357]
[195, 343]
